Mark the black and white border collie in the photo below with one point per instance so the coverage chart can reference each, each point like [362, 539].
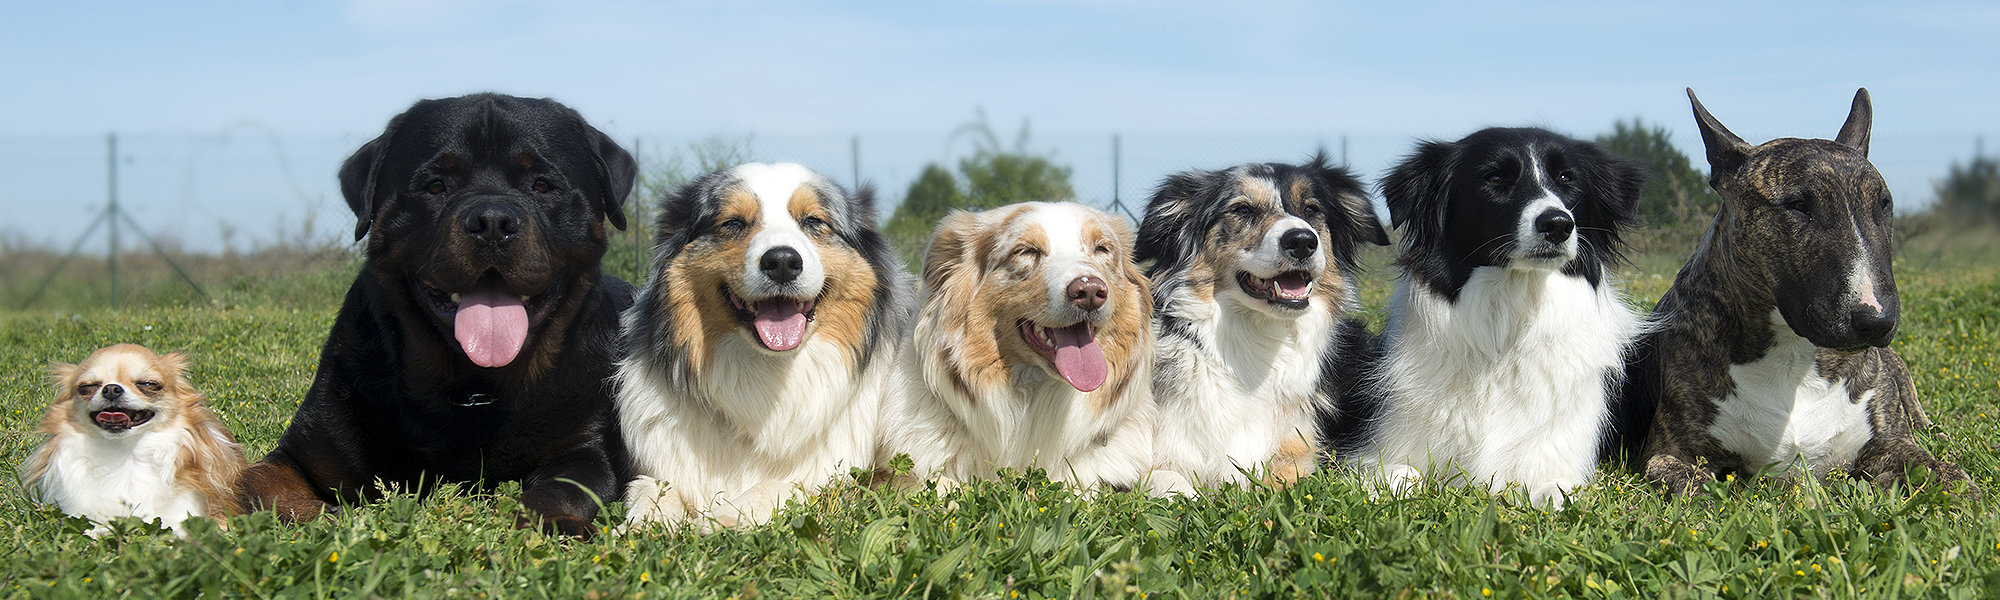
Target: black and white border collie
[1506, 338]
[1251, 276]
[759, 350]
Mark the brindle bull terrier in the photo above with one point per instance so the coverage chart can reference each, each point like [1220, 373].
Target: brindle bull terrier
[1772, 347]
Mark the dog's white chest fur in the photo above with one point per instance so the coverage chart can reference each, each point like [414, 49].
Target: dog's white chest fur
[758, 429]
[1783, 412]
[99, 478]
[1226, 406]
[1508, 386]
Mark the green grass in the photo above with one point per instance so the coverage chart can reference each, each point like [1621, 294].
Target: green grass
[1023, 535]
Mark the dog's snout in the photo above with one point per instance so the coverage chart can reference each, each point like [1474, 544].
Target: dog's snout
[112, 391]
[1873, 327]
[1555, 225]
[1299, 243]
[1087, 293]
[492, 222]
[782, 264]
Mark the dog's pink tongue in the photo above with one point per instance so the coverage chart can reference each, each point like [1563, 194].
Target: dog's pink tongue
[780, 324]
[113, 419]
[1293, 284]
[1078, 358]
[491, 326]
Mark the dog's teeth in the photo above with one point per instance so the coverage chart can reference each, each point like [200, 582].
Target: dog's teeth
[454, 297]
[524, 299]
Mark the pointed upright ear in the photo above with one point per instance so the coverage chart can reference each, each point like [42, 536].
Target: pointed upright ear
[63, 377]
[616, 172]
[359, 178]
[1725, 151]
[174, 365]
[1860, 118]
[952, 246]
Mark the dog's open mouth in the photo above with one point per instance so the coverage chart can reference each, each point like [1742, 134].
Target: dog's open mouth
[117, 420]
[1073, 350]
[780, 321]
[1290, 289]
[489, 320]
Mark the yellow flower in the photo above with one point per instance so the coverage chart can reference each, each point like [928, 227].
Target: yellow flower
[646, 576]
[334, 558]
[1485, 591]
[1319, 557]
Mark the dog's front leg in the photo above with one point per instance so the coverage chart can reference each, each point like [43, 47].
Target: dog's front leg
[276, 484]
[1896, 414]
[563, 495]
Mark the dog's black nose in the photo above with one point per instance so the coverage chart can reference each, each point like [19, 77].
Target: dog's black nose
[1873, 327]
[1555, 225]
[493, 222]
[1087, 293]
[1300, 243]
[782, 264]
[112, 391]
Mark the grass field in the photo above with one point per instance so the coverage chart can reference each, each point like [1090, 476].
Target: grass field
[254, 353]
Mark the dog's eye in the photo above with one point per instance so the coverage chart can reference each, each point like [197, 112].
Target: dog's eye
[1800, 205]
[436, 186]
[1103, 249]
[1566, 177]
[87, 390]
[543, 186]
[1312, 209]
[1028, 252]
[1495, 179]
[813, 223]
[149, 387]
[734, 223]
[1243, 210]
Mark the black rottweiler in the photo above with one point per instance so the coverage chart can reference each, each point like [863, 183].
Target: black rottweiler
[477, 343]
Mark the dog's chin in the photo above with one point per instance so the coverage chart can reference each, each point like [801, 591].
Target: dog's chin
[779, 323]
[1289, 291]
[120, 420]
[1541, 259]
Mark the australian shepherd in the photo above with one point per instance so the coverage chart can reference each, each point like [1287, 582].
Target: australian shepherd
[128, 437]
[1506, 336]
[1251, 276]
[1032, 349]
[757, 353]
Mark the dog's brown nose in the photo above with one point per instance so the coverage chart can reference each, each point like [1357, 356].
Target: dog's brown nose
[1087, 293]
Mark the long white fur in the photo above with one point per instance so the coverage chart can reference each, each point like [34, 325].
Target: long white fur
[1782, 412]
[761, 427]
[101, 477]
[1252, 381]
[1033, 420]
[1508, 386]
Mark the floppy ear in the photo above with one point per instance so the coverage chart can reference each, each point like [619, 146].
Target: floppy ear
[1350, 197]
[1617, 181]
[951, 247]
[358, 178]
[1860, 118]
[616, 173]
[1164, 235]
[1416, 189]
[1725, 150]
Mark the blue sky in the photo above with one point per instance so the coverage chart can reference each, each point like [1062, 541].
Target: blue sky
[1385, 73]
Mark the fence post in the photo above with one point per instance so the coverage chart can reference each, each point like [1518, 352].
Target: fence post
[854, 154]
[111, 188]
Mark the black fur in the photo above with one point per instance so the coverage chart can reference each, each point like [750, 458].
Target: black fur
[1458, 203]
[396, 400]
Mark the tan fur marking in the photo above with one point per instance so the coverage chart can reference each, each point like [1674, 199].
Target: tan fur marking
[695, 280]
[849, 292]
[1293, 461]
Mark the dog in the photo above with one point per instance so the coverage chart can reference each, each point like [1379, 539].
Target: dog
[758, 355]
[1032, 349]
[1773, 349]
[1506, 337]
[127, 436]
[477, 343]
[1251, 274]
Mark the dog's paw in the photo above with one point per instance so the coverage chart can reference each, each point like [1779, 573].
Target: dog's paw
[945, 486]
[1553, 495]
[648, 501]
[754, 507]
[1163, 483]
[1399, 480]
[1679, 477]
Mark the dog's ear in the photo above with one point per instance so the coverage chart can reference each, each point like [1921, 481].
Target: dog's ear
[1860, 118]
[1351, 197]
[1416, 190]
[174, 366]
[1164, 235]
[63, 376]
[616, 173]
[952, 247]
[1725, 151]
[359, 174]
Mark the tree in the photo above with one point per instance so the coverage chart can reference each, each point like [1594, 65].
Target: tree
[991, 177]
[1970, 193]
[1677, 202]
